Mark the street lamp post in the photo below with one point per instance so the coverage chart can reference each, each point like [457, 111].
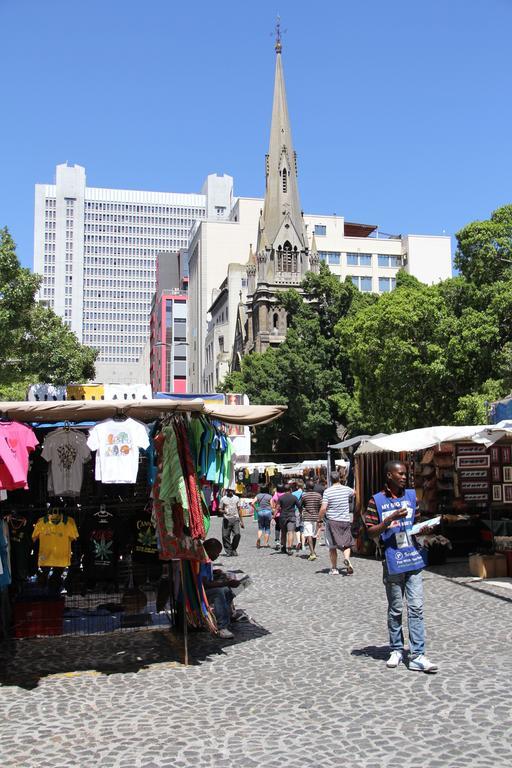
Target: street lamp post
[168, 362]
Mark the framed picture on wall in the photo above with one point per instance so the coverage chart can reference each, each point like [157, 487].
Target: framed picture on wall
[507, 474]
[496, 473]
[497, 495]
[505, 454]
[470, 449]
[507, 494]
[495, 454]
[469, 462]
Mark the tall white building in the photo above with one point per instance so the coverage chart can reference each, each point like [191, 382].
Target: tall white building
[96, 250]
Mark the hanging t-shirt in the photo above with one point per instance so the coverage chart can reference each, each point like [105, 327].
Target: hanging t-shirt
[16, 443]
[22, 560]
[117, 446]
[66, 452]
[101, 545]
[55, 541]
[144, 538]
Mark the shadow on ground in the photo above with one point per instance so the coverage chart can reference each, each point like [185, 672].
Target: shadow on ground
[24, 663]
[379, 653]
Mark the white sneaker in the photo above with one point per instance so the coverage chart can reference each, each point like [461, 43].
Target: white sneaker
[395, 658]
[422, 664]
[334, 572]
[226, 634]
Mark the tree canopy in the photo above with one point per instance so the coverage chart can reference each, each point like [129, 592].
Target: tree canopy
[308, 372]
[417, 356]
[35, 344]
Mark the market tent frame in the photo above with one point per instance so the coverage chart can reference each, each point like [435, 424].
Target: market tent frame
[144, 410]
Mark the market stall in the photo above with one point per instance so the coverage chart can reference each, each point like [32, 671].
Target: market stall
[103, 512]
[463, 474]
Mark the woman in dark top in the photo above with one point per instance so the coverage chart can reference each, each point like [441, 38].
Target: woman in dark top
[264, 501]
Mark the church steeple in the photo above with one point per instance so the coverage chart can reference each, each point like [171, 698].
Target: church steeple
[281, 225]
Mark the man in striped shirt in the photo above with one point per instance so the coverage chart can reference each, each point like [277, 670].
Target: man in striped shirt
[311, 503]
[338, 528]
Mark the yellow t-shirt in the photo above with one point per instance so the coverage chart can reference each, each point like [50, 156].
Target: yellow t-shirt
[55, 542]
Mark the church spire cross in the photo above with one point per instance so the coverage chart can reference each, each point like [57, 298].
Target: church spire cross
[279, 33]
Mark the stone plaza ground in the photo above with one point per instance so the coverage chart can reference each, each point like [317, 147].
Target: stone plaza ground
[303, 684]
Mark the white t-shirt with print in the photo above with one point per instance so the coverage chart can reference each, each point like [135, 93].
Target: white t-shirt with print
[117, 446]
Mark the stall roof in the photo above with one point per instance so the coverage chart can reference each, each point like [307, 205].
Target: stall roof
[419, 439]
[144, 410]
[353, 441]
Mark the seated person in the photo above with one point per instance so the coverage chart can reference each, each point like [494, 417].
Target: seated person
[218, 590]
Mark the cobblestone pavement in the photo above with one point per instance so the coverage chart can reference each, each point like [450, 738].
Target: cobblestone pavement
[303, 684]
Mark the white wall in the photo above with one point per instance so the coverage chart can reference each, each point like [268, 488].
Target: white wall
[214, 245]
[429, 257]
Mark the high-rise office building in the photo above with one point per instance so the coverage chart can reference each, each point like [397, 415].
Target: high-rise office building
[96, 250]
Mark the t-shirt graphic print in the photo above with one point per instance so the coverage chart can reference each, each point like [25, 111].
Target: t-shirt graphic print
[117, 446]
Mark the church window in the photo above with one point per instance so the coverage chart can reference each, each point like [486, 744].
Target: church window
[275, 320]
[287, 258]
[285, 180]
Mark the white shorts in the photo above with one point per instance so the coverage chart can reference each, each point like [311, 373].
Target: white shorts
[310, 528]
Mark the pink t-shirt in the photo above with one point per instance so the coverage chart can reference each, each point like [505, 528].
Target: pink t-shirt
[16, 442]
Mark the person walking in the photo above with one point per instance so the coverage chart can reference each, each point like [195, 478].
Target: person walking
[338, 522]
[311, 503]
[289, 505]
[389, 517]
[231, 523]
[276, 514]
[297, 488]
[264, 502]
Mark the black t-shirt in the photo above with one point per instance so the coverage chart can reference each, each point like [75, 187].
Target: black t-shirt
[23, 560]
[101, 546]
[288, 503]
[144, 538]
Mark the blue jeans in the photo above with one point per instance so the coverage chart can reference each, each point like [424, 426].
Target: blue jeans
[221, 597]
[410, 584]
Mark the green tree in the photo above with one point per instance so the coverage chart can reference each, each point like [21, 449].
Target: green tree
[35, 344]
[484, 252]
[429, 354]
[308, 372]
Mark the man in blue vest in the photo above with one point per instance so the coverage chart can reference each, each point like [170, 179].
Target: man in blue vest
[389, 517]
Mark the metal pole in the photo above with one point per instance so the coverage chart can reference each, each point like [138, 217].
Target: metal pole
[185, 623]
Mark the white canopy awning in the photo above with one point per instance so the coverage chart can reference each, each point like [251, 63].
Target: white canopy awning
[419, 439]
[494, 432]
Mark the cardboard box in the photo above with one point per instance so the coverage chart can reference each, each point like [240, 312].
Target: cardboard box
[488, 566]
[500, 565]
[481, 566]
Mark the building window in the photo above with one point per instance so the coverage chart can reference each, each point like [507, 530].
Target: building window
[331, 257]
[320, 229]
[389, 261]
[359, 259]
[386, 284]
[362, 282]
[285, 180]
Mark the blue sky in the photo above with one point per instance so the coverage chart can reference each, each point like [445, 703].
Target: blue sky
[401, 111]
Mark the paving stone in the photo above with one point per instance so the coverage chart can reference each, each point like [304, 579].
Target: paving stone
[304, 683]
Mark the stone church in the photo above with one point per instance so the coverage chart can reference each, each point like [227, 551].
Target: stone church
[282, 255]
